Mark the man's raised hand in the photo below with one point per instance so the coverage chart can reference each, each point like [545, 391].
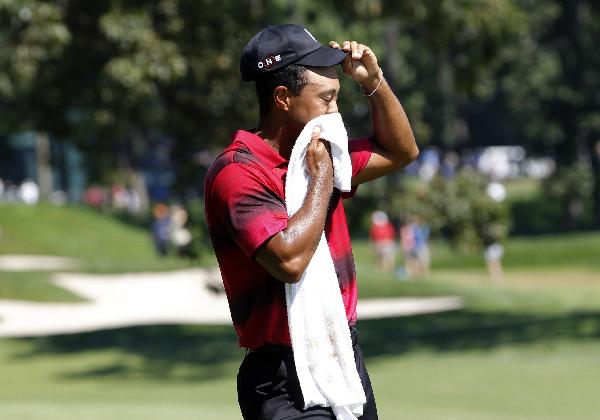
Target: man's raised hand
[360, 64]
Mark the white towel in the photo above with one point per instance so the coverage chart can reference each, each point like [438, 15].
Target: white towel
[317, 319]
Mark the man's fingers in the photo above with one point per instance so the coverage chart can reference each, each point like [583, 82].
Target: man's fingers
[360, 50]
[355, 49]
[316, 133]
[316, 143]
[314, 137]
[359, 58]
[347, 64]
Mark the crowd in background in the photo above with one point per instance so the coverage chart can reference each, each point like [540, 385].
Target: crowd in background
[26, 192]
[169, 231]
[411, 235]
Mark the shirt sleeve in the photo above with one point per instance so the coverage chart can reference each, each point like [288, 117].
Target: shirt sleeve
[249, 210]
[360, 152]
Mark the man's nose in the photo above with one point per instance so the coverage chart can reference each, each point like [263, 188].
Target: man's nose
[333, 108]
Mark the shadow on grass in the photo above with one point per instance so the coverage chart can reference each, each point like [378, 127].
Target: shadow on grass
[183, 353]
[193, 353]
[470, 330]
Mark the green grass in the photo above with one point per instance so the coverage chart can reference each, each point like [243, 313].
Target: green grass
[525, 349]
[102, 243]
[546, 252]
[34, 286]
[522, 188]
[541, 381]
[94, 384]
[555, 251]
[568, 280]
[149, 373]
[106, 244]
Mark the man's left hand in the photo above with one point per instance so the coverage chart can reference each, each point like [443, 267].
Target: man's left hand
[360, 64]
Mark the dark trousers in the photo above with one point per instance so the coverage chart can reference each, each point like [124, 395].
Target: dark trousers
[268, 387]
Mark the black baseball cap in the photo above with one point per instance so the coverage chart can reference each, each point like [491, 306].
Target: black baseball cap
[276, 47]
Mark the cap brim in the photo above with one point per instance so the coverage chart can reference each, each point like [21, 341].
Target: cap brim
[323, 57]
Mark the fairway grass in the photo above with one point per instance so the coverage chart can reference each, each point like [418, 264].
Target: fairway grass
[33, 286]
[543, 252]
[540, 381]
[527, 348]
[110, 383]
[105, 244]
[551, 380]
[99, 242]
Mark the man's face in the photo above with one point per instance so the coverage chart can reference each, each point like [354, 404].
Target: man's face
[319, 97]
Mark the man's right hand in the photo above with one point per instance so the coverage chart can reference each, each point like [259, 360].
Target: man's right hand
[287, 253]
[318, 159]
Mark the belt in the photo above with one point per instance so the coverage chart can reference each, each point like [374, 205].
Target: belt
[283, 348]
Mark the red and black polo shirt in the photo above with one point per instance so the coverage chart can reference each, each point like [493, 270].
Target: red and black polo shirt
[245, 206]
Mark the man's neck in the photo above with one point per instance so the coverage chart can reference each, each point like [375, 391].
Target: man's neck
[274, 133]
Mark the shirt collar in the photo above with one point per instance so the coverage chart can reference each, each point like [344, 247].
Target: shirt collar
[259, 148]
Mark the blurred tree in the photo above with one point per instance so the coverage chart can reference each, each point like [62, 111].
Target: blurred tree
[33, 35]
[169, 72]
[458, 209]
[112, 75]
[552, 88]
[452, 52]
[109, 75]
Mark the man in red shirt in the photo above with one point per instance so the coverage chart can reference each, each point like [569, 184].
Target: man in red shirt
[257, 246]
[383, 240]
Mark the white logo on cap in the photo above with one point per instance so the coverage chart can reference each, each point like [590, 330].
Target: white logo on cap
[269, 61]
[310, 35]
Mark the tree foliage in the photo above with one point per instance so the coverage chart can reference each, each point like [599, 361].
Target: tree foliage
[112, 76]
[457, 208]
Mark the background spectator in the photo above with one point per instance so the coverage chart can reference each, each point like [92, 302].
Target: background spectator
[180, 236]
[422, 252]
[161, 229]
[383, 240]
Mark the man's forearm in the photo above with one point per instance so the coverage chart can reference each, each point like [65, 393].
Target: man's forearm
[305, 228]
[391, 128]
[289, 252]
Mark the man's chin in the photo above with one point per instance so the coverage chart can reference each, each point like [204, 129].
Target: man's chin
[295, 127]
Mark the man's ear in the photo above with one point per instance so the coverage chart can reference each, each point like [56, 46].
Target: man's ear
[281, 98]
